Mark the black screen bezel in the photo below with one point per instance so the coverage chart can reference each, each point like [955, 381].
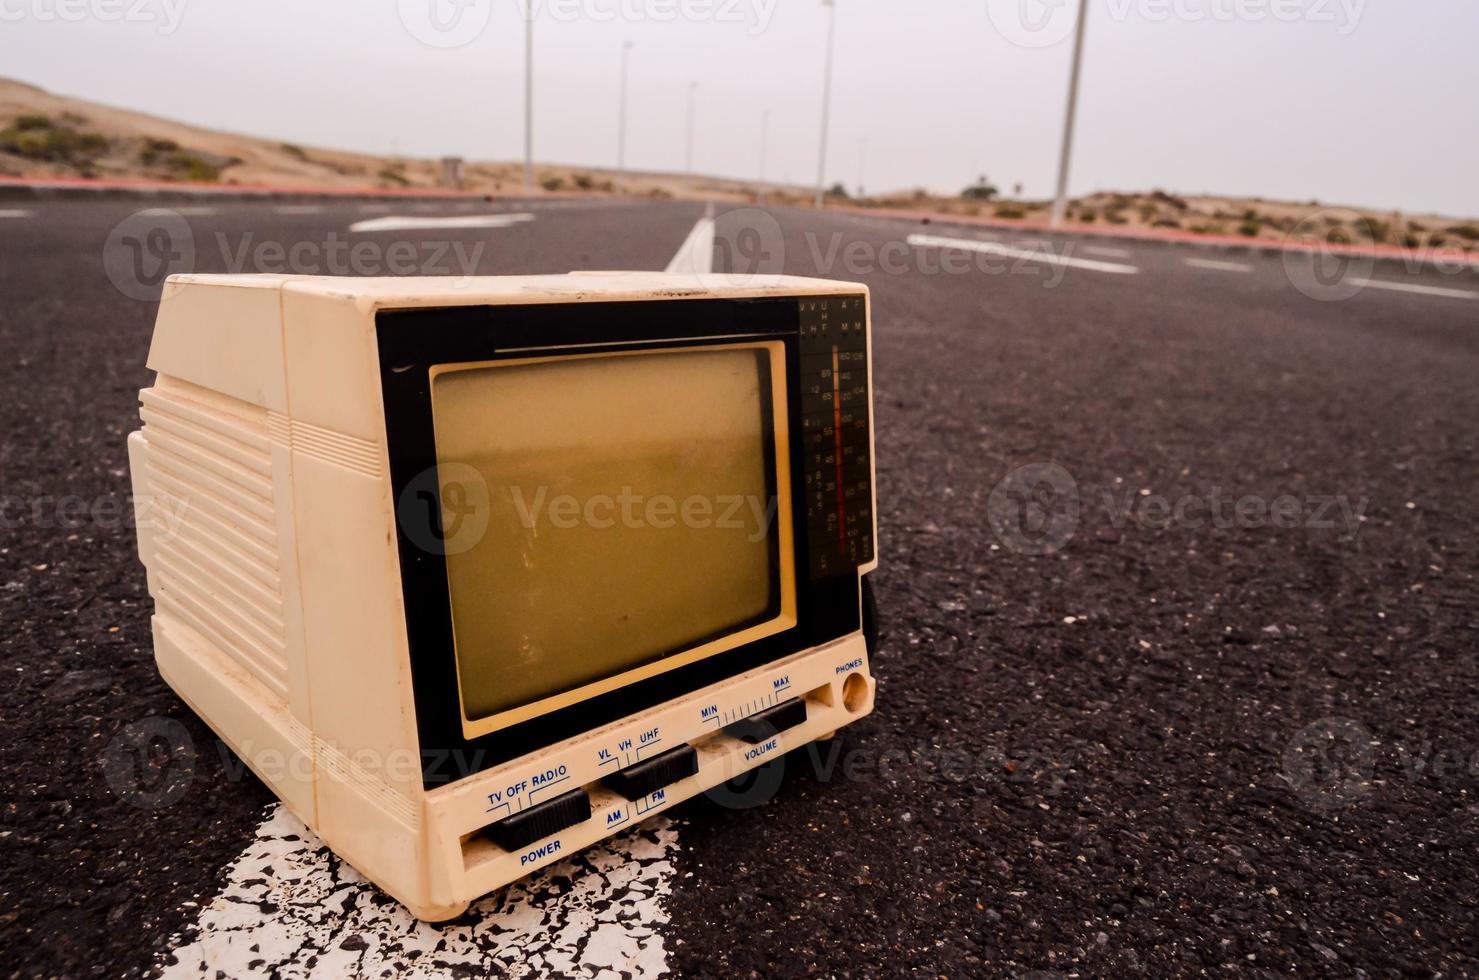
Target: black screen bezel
[410, 343]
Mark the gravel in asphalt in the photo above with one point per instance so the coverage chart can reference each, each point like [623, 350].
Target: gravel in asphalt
[1122, 727]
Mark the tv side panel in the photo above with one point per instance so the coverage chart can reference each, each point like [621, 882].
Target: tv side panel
[212, 489]
[223, 334]
[369, 790]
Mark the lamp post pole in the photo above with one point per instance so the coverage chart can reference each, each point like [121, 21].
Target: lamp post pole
[1060, 200]
[826, 100]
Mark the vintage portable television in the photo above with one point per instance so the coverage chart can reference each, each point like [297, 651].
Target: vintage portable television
[474, 573]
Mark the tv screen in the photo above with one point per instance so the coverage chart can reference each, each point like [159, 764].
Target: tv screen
[632, 523]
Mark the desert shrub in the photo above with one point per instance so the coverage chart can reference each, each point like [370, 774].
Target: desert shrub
[1410, 240]
[296, 152]
[391, 176]
[1249, 229]
[1169, 199]
[1010, 212]
[552, 183]
[1470, 232]
[1415, 226]
[1088, 216]
[1250, 215]
[183, 164]
[1371, 228]
[981, 190]
[35, 137]
[584, 181]
[191, 167]
[1166, 223]
[660, 194]
[1115, 216]
[157, 151]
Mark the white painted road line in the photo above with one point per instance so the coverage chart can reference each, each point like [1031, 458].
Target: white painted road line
[696, 254]
[1032, 255]
[292, 908]
[1219, 265]
[187, 211]
[15, 213]
[1107, 252]
[1412, 287]
[415, 223]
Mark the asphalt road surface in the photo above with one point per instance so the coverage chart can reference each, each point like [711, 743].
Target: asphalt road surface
[1180, 617]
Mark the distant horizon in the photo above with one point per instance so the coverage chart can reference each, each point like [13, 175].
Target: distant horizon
[1146, 161]
[1299, 100]
[606, 169]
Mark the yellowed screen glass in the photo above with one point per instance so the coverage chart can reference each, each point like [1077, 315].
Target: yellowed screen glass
[631, 515]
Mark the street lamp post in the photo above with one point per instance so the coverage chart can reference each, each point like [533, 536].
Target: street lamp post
[529, 97]
[826, 100]
[1060, 200]
[621, 126]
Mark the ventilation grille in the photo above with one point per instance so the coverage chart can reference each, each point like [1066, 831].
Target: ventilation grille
[339, 767]
[360, 455]
[214, 525]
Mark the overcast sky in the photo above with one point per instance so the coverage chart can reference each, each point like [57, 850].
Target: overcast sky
[1372, 102]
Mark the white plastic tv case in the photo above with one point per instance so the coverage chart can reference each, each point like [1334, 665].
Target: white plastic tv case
[267, 523]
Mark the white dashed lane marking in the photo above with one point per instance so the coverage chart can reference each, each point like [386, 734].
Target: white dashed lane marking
[15, 213]
[1044, 255]
[411, 223]
[696, 254]
[1412, 287]
[1107, 252]
[292, 908]
[1219, 265]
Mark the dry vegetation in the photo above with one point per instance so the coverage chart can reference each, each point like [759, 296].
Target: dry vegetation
[1252, 218]
[46, 135]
